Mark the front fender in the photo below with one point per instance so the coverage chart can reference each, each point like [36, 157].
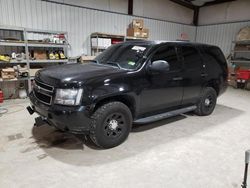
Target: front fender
[120, 92]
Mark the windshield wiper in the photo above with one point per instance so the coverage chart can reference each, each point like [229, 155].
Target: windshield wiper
[114, 64]
[107, 63]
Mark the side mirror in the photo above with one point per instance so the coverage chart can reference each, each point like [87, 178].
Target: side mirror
[159, 66]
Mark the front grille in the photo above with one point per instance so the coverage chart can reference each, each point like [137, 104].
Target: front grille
[44, 86]
[43, 98]
[43, 92]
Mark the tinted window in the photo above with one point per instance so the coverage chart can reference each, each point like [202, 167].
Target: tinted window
[168, 54]
[215, 58]
[216, 54]
[125, 56]
[191, 57]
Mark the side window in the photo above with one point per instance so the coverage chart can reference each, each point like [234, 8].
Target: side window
[214, 58]
[216, 54]
[168, 53]
[191, 58]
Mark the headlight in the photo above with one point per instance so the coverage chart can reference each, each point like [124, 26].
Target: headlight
[68, 96]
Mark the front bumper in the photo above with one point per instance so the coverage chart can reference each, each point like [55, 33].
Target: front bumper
[70, 119]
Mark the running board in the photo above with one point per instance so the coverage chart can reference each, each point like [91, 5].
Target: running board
[164, 115]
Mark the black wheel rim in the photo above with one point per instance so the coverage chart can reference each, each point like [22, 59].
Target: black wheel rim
[114, 125]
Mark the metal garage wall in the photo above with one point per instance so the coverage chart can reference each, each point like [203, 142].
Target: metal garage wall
[221, 34]
[81, 22]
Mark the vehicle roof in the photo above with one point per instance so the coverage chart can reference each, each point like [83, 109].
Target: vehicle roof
[156, 42]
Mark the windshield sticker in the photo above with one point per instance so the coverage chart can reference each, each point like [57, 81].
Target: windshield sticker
[131, 63]
[138, 48]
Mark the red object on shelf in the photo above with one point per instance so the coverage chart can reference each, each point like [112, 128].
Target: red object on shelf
[61, 36]
[243, 75]
[116, 41]
[1, 96]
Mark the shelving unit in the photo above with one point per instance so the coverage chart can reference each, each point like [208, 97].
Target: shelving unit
[17, 79]
[96, 41]
[44, 45]
[127, 38]
[240, 53]
[12, 44]
[35, 61]
[26, 40]
[101, 41]
[247, 42]
[239, 61]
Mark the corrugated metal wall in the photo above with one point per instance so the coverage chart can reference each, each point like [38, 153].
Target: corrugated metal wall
[81, 22]
[221, 35]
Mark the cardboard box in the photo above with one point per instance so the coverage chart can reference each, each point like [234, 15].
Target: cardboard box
[106, 42]
[136, 32]
[40, 54]
[101, 42]
[145, 33]
[8, 73]
[86, 59]
[137, 23]
[96, 42]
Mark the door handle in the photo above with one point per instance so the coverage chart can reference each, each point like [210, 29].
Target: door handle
[177, 78]
[204, 75]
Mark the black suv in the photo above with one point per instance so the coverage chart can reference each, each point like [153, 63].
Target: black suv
[130, 82]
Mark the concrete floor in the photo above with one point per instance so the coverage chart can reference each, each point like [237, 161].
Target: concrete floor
[185, 151]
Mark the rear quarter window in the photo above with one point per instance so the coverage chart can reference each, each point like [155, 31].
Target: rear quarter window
[217, 54]
[191, 58]
[215, 60]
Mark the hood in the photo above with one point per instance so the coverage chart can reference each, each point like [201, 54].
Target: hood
[75, 73]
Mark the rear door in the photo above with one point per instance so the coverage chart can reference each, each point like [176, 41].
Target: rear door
[193, 74]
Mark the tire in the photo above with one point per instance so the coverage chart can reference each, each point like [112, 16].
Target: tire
[237, 85]
[241, 85]
[248, 85]
[207, 102]
[111, 125]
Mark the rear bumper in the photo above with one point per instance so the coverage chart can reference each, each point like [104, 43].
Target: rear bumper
[69, 119]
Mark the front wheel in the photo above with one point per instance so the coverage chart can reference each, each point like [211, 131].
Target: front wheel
[207, 102]
[111, 125]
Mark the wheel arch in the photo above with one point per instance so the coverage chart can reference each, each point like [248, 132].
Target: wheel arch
[125, 99]
[215, 85]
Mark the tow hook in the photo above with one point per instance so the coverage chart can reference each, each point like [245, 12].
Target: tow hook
[39, 121]
[30, 110]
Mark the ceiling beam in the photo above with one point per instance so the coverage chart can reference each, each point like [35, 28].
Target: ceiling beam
[197, 8]
[196, 16]
[130, 7]
[217, 2]
[182, 3]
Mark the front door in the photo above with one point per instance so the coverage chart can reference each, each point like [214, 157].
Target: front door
[163, 90]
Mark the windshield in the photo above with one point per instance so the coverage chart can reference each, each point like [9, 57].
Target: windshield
[125, 56]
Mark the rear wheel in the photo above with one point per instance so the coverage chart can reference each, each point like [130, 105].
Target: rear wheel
[248, 85]
[240, 85]
[207, 102]
[111, 124]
